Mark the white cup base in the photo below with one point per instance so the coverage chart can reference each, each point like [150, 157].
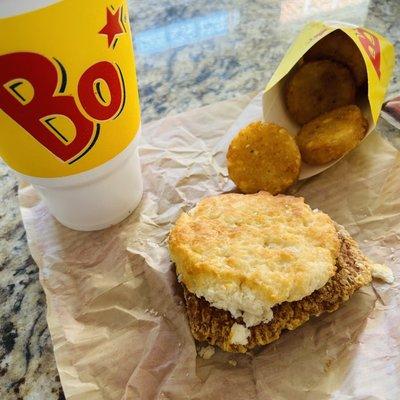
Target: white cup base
[99, 200]
[104, 225]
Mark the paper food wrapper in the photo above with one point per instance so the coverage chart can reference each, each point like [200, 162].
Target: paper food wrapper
[378, 55]
[115, 310]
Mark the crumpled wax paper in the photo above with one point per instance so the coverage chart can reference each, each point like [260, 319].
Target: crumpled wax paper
[115, 313]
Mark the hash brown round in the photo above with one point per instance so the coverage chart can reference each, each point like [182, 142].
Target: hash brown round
[317, 87]
[337, 46]
[331, 135]
[263, 156]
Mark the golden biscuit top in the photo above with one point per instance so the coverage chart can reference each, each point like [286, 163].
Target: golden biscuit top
[246, 253]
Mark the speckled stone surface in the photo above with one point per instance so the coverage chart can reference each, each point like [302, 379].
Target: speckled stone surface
[188, 53]
[240, 44]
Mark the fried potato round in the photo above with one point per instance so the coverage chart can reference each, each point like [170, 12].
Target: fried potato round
[331, 135]
[263, 156]
[317, 87]
[337, 46]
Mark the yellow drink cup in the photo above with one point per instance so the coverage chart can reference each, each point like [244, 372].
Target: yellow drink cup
[69, 107]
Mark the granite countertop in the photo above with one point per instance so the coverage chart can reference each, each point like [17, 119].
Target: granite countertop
[189, 53]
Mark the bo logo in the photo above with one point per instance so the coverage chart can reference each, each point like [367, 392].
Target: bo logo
[45, 106]
[372, 46]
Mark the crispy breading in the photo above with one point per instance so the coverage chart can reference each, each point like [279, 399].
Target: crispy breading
[337, 46]
[263, 156]
[246, 253]
[317, 87]
[331, 135]
[214, 325]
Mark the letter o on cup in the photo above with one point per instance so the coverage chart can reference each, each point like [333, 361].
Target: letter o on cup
[89, 91]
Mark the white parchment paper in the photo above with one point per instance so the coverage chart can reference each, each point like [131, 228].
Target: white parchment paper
[115, 313]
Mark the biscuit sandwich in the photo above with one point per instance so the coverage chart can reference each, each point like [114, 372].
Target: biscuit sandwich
[255, 265]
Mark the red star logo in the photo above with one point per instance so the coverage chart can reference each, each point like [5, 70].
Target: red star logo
[113, 27]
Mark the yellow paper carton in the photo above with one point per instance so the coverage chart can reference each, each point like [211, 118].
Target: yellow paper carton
[68, 91]
[377, 53]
